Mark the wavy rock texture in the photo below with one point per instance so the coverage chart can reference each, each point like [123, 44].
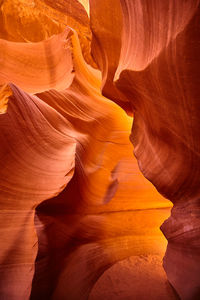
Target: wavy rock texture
[35, 21]
[158, 73]
[76, 213]
[48, 64]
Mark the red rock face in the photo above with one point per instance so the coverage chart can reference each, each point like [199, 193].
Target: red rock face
[73, 201]
[157, 72]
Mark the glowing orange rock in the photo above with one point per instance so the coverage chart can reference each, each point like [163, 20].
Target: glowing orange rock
[66, 153]
[5, 93]
[156, 68]
[37, 67]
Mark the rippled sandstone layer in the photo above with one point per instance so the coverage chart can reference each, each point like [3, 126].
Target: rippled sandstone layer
[73, 201]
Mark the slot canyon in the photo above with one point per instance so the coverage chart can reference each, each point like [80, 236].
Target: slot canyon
[99, 149]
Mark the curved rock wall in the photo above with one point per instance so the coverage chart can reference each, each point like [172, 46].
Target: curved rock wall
[157, 71]
[73, 201]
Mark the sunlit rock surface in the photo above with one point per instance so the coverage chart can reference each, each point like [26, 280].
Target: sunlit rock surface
[156, 68]
[78, 219]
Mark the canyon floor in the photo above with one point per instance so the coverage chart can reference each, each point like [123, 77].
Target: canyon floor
[137, 277]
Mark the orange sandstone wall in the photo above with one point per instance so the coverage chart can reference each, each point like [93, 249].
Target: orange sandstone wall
[73, 201]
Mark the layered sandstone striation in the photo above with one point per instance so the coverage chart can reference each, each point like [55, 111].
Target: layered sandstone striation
[77, 215]
[156, 68]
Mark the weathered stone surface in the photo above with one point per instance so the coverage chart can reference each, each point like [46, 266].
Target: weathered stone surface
[156, 68]
[73, 201]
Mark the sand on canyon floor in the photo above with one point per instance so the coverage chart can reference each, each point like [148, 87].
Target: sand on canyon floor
[135, 278]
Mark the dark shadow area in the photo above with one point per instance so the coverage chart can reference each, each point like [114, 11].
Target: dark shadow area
[56, 222]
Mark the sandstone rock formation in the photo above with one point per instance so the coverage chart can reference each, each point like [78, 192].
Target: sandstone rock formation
[73, 200]
[156, 68]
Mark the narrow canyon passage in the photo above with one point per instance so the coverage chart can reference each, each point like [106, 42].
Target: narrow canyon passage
[99, 149]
